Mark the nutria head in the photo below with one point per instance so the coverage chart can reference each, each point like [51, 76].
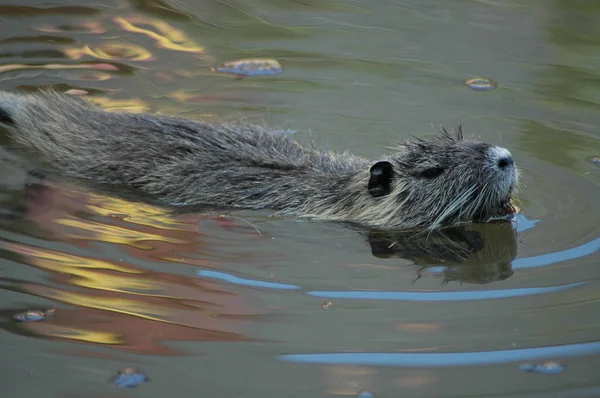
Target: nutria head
[445, 181]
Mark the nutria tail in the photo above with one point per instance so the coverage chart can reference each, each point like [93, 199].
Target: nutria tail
[446, 180]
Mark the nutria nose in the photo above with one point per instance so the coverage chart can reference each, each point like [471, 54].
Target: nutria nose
[501, 157]
[505, 162]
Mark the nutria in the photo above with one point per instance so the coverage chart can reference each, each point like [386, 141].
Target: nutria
[448, 180]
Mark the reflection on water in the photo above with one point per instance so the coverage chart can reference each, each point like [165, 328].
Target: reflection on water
[445, 296]
[112, 302]
[162, 33]
[449, 359]
[477, 254]
[205, 295]
[111, 51]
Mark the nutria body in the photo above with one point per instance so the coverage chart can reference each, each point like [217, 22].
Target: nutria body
[447, 180]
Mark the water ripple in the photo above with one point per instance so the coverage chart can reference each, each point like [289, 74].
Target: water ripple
[10, 10]
[165, 35]
[444, 296]
[552, 258]
[427, 360]
[246, 282]
[396, 296]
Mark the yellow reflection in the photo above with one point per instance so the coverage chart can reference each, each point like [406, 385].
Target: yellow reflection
[112, 51]
[182, 95]
[185, 96]
[89, 336]
[63, 262]
[167, 37]
[91, 76]
[11, 67]
[111, 283]
[113, 304]
[117, 105]
[136, 213]
[85, 272]
[114, 234]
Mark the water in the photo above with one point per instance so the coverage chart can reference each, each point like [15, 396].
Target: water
[242, 304]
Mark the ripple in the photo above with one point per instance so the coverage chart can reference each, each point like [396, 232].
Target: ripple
[83, 27]
[112, 51]
[114, 302]
[523, 224]
[427, 360]
[557, 257]
[133, 105]
[443, 296]
[89, 231]
[165, 35]
[39, 39]
[89, 76]
[50, 54]
[204, 98]
[246, 282]
[20, 11]
[94, 66]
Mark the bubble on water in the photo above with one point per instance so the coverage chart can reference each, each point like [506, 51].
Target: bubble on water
[549, 367]
[250, 67]
[481, 84]
[595, 160]
[129, 378]
[33, 315]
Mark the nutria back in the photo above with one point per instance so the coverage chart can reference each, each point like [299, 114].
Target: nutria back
[447, 180]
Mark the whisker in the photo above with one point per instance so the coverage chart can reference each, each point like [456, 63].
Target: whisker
[458, 202]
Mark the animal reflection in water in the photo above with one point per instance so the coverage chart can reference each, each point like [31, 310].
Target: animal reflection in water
[473, 253]
[476, 253]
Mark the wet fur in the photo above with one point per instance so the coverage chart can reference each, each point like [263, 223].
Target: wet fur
[249, 166]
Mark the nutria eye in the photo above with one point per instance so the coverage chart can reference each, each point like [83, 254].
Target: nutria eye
[432, 172]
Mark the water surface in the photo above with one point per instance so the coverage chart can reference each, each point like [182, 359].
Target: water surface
[229, 304]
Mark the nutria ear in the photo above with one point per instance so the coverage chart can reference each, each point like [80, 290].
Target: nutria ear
[380, 183]
[5, 118]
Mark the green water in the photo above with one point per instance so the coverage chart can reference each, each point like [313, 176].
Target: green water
[137, 286]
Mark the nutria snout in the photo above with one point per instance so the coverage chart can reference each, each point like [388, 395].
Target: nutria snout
[447, 180]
